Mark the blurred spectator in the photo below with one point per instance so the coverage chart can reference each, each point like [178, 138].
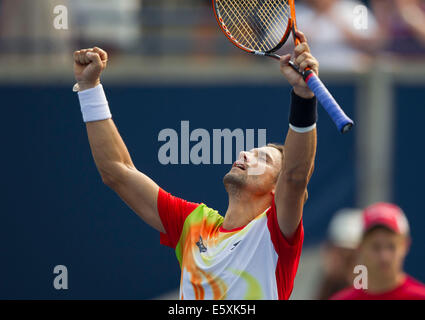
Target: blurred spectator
[339, 252]
[403, 25]
[113, 25]
[383, 248]
[26, 26]
[341, 33]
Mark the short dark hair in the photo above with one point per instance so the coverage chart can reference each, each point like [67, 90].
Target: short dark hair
[281, 149]
[277, 146]
[376, 227]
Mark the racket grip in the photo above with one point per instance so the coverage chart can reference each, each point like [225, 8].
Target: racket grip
[342, 122]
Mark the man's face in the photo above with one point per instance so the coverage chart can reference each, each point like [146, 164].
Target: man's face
[383, 252]
[255, 171]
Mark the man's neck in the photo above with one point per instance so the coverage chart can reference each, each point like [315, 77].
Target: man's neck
[243, 208]
[379, 284]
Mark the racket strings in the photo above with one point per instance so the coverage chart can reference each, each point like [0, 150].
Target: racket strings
[274, 34]
[256, 24]
[238, 27]
[262, 29]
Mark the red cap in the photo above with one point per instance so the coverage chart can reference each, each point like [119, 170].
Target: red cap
[385, 214]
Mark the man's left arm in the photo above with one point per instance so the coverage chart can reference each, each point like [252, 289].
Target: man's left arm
[300, 143]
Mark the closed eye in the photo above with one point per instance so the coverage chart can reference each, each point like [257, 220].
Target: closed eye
[268, 158]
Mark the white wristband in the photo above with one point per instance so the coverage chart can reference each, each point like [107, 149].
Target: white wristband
[94, 105]
[302, 130]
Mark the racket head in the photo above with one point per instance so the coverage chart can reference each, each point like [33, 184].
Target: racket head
[255, 26]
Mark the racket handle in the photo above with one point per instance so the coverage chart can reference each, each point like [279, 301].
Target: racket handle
[343, 123]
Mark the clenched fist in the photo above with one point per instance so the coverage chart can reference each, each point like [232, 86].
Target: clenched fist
[88, 65]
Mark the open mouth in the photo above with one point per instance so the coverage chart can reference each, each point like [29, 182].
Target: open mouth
[239, 165]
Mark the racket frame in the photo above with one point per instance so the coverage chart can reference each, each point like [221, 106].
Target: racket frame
[269, 53]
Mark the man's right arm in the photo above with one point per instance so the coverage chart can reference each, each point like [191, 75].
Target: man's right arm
[118, 172]
[110, 154]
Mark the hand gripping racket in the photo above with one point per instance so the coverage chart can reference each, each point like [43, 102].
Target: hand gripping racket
[261, 27]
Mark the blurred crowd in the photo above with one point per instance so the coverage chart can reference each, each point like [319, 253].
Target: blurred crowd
[343, 34]
[363, 256]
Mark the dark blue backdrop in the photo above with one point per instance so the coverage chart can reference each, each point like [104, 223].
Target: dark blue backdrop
[409, 170]
[57, 211]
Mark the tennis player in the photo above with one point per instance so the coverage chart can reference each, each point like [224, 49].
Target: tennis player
[251, 253]
[383, 248]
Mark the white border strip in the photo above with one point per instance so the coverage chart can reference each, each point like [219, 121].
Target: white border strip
[302, 130]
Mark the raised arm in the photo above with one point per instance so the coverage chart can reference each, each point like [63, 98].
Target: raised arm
[110, 154]
[300, 143]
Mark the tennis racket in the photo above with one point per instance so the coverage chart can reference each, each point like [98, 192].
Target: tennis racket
[261, 27]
